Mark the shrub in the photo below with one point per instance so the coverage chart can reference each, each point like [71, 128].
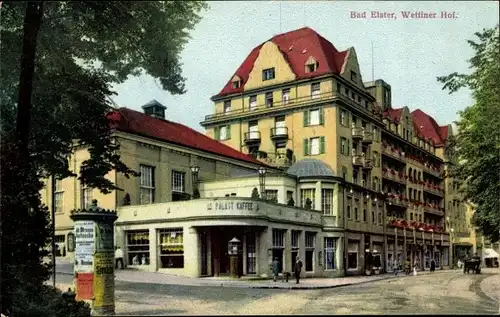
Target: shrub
[291, 202]
[255, 193]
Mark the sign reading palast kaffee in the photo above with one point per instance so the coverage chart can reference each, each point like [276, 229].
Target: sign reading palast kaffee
[232, 205]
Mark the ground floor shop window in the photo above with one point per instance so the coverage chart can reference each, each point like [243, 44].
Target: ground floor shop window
[310, 244]
[445, 256]
[330, 247]
[138, 247]
[278, 247]
[251, 254]
[352, 255]
[171, 248]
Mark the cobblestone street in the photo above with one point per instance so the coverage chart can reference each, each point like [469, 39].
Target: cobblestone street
[449, 292]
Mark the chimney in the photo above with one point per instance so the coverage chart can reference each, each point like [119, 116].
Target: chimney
[155, 109]
[381, 91]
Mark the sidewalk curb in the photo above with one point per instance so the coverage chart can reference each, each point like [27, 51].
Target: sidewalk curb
[291, 287]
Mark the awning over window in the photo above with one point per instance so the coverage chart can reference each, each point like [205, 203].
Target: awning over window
[489, 253]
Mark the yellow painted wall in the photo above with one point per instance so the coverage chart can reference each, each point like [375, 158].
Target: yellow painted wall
[269, 56]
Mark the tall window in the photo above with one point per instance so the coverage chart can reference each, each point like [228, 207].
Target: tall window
[138, 247]
[314, 146]
[327, 201]
[269, 99]
[315, 91]
[374, 213]
[343, 145]
[253, 103]
[343, 117]
[314, 117]
[227, 106]
[58, 196]
[364, 214]
[349, 206]
[353, 76]
[356, 213]
[305, 194]
[272, 195]
[289, 195]
[352, 255]
[285, 96]
[279, 246]
[222, 133]
[310, 244]
[178, 182]
[171, 248]
[330, 247]
[268, 74]
[86, 196]
[344, 172]
[147, 195]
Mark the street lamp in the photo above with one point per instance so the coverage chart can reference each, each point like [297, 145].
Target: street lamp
[194, 174]
[262, 181]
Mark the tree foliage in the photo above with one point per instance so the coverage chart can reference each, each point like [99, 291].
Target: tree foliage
[77, 51]
[477, 143]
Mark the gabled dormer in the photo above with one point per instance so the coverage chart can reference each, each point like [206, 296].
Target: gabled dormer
[312, 65]
[236, 82]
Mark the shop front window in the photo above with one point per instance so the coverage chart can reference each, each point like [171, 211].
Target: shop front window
[138, 247]
[352, 255]
[310, 243]
[171, 248]
[330, 244]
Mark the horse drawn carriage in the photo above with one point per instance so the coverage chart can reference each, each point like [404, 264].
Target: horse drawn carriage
[473, 264]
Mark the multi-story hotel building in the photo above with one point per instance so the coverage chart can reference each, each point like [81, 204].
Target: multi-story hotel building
[296, 96]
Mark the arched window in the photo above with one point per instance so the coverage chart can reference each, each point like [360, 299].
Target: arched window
[409, 172]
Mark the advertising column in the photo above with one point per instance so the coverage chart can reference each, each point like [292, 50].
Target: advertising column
[94, 258]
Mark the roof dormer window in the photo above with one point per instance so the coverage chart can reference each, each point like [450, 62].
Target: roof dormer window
[236, 81]
[354, 76]
[311, 65]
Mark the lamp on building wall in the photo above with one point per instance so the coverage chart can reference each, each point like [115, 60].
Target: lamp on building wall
[262, 181]
[194, 174]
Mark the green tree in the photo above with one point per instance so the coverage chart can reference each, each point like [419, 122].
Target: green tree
[59, 60]
[476, 146]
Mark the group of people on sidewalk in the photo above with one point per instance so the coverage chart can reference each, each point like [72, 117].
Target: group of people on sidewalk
[297, 270]
[408, 268]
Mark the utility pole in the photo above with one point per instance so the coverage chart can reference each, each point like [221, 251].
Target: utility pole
[53, 212]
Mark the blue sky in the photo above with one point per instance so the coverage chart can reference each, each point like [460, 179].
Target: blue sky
[408, 54]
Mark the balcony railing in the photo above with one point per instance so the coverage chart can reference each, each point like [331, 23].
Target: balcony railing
[357, 133]
[302, 101]
[432, 209]
[252, 136]
[357, 160]
[279, 133]
[435, 171]
[398, 200]
[367, 163]
[367, 137]
[394, 153]
[394, 175]
[436, 190]
[277, 159]
[419, 226]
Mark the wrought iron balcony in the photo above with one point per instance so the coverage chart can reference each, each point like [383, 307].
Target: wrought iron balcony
[252, 137]
[357, 133]
[357, 160]
[279, 133]
[367, 137]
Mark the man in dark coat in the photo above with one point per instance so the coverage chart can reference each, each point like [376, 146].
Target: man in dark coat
[298, 268]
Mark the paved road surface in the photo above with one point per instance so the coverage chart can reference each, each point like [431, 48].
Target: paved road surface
[440, 293]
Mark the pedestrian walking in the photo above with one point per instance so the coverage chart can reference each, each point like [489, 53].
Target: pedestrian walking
[118, 257]
[407, 266]
[275, 268]
[433, 265]
[298, 268]
[396, 267]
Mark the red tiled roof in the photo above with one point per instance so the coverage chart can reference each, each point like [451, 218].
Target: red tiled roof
[128, 120]
[427, 127]
[443, 132]
[393, 114]
[296, 46]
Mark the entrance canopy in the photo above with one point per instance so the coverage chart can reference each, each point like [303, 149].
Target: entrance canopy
[489, 253]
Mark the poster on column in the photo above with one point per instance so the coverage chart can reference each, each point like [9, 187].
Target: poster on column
[85, 241]
[104, 237]
[104, 279]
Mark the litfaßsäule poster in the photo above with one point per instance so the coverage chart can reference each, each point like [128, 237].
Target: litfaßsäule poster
[85, 241]
[104, 279]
